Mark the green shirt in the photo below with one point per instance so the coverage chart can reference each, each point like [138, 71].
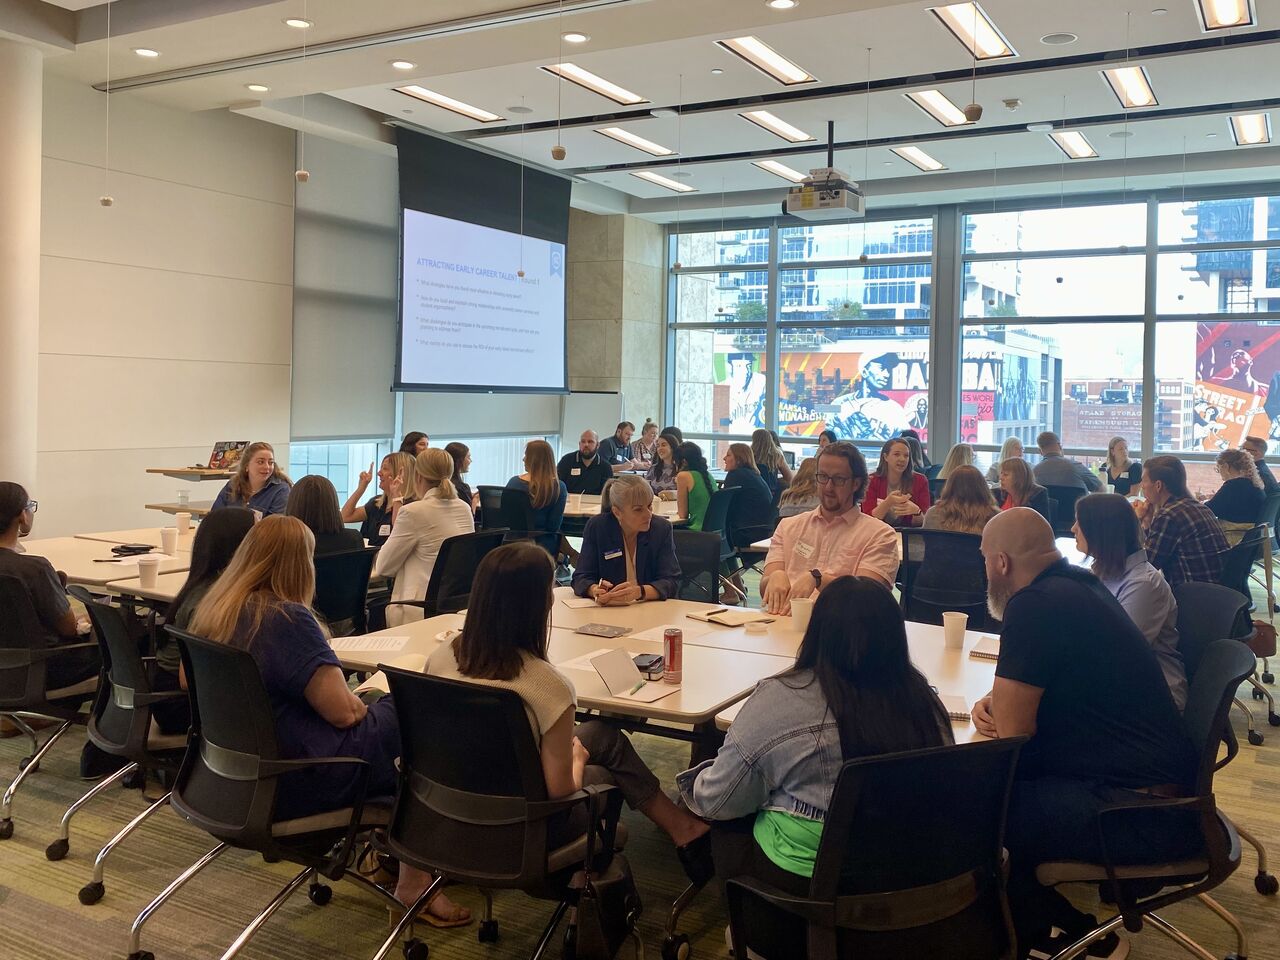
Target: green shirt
[791, 842]
[699, 497]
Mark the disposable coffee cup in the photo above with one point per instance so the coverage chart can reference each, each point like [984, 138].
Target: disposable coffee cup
[1111, 488]
[169, 540]
[801, 611]
[182, 522]
[184, 497]
[148, 569]
[953, 627]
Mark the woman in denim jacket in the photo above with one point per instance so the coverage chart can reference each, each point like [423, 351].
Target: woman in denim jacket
[852, 693]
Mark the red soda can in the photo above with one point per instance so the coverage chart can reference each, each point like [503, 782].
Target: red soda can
[672, 655]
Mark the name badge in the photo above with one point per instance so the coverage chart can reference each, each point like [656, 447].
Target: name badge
[617, 458]
[804, 549]
[384, 530]
[575, 472]
[613, 555]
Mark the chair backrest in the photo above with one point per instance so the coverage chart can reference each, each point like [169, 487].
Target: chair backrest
[1223, 666]
[935, 488]
[913, 872]
[517, 513]
[1064, 511]
[224, 785]
[22, 669]
[1239, 560]
[950, 575]
[698, 553]
[716, 519]
[932, 470]
[449, 589]
[342, 584]
[469, 771]
[1207, 612]
[1270, 511]
[490, 507]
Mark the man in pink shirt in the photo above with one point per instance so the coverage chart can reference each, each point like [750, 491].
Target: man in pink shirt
[835, 540]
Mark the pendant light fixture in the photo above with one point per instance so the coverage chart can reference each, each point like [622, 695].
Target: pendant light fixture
[106, 199]
[558, 152]
[973, 112]
[302, 175]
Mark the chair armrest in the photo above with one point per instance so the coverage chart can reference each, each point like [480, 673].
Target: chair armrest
[407, 603]
[809, 910]
[148, 699]
[274, 768]
[48, 653]
[541, 809]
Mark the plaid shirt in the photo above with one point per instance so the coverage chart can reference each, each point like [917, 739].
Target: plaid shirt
[1185, 542]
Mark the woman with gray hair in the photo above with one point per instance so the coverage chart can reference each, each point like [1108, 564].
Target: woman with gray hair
[628, 554]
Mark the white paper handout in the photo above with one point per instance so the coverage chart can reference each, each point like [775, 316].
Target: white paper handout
[415, 662]
[134, 558]
[578, 603]
[368, 644]
[625, 681]
[655, 633]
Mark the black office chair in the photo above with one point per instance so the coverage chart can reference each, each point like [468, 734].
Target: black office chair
[449, 589]
[949, 576]
[1063, 500]
[1237, 568]
[931, 472]
[935, 488]
[698, 553]
[1223, 667]
[24, 664]
[517, 516]
[342, 589]
[1270, 515]
[490, 507]
[121, 725]
[880, 891]
[716, 520]
[229, 778]
[472, 803]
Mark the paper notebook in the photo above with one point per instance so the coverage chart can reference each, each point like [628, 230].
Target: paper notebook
[728, 617]
[987, 648]
[956, 707]
[625, 681]
[415, 662]
[654, 633]
[578, 603]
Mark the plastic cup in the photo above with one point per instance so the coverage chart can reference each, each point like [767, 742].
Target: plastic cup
[169, 540]
[148, 570]
[953, 627]
[182, 522]
[801, 611]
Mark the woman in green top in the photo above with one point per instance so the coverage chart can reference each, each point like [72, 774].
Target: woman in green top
[693, 484]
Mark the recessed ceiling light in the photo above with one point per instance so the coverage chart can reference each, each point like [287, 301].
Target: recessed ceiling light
[661, 181]
[936, 105]
[1211, 136]
[596, 84]
[448, 103]
[257, 87]
[298, 23]
[640, 143]
[1225, 14]
[782, 4]
[1074, 144]
[716, 71]
[1039, 127]
[1058, 39]
[1131, 85]
[146, 52]
[1248, 129]
[976, 31]
[403, 64]
[767, 60]
[777, 126]
[779, 170]
[1120, 134]
[918, 158]
[573, 36]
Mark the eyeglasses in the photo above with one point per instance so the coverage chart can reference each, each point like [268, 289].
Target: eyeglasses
[825, 478]
[32, 506]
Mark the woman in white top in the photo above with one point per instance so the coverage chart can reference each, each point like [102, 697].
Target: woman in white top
[410, 552]
[1012, 449]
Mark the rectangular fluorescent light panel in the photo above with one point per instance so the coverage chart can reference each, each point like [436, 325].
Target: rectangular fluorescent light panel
[596, 84]
[938, 106]
[779, 170]
[448, 103]
[1132, 86]
[918, 158]
[777, 126]
[1225, 14]
[662, 181]
[1251, 128]
[640, 143]
[1074, 144]
[970, 24]
[767, 60]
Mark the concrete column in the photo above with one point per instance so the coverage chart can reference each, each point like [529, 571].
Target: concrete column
[21, 80]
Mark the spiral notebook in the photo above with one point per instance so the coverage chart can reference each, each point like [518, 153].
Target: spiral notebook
[987, 648]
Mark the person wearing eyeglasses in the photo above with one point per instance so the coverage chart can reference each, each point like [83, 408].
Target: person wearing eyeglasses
[834, 540]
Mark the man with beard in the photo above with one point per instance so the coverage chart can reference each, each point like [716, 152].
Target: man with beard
[1078, 677]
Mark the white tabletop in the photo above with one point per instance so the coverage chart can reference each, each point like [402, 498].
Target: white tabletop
[149, 535]
[197, 508]
[166, 589]
[78, 559]
[588, 505]
[192, 474]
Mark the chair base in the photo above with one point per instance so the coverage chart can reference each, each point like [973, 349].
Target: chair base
[31, 765]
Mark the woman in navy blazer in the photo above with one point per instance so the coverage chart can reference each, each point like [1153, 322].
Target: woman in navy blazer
[628, 554]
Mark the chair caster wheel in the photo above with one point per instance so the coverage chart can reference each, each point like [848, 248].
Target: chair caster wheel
[416, 950]
[267, 858]
[1268, 677]
[320, 894]
[1255, 738]
[676, 947]
[1257, 694]
[57, 850]
[1266, 884]
[6, 829]
[488, 932]
[91, 893]
[1236, 956]
[135, 781]
[26, 762]
[142, 955]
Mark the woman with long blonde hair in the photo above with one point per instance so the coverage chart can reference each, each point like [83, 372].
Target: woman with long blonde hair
[420, 528]
[961, 455]
[965, 504]
[258, 484]
[547, 493]
[376, 516]
[802, 495]
[770, 462]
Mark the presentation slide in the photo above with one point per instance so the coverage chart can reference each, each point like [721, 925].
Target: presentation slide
[469, 320]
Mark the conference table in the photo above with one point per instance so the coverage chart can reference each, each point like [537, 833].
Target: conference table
[197, 508]
[91, 563]
[147, 535]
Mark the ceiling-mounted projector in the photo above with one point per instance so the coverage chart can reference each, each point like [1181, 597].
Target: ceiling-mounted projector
[826, 194]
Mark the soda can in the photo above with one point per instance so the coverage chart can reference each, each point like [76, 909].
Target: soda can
[672, 655]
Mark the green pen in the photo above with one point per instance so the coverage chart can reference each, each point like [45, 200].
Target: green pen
[638, 686]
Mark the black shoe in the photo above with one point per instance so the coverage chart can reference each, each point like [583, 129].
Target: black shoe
[1110, 947]
[695, 857]
[96, 764]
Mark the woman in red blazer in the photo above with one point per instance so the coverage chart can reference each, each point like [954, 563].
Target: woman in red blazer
[897, 494]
